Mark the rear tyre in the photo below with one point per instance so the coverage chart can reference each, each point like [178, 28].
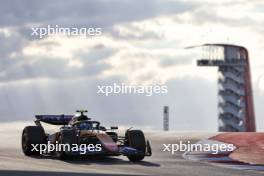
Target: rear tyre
[136, 139]
[62, 154]
[67, 137]
[32, 135]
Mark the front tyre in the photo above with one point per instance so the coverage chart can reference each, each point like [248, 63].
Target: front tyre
[136, 139]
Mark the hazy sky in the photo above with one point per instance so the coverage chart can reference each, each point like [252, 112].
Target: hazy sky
[142, 43]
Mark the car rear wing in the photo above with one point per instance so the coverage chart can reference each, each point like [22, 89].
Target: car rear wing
[54, 119]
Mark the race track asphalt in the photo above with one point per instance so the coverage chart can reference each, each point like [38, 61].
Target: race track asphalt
[13, 162]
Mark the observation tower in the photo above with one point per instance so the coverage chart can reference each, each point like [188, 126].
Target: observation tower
[235, 98]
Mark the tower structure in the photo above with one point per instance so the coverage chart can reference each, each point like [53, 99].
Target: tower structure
[235, 98]
[166, 118]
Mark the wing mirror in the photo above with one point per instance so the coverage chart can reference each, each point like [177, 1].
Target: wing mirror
[114, 128]
[102, 128]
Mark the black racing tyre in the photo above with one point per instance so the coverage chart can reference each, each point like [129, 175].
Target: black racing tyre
[62, 154]
[67, 137]
[32, 135]
[136, 139]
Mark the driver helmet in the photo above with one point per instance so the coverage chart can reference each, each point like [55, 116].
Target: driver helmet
[84, 126]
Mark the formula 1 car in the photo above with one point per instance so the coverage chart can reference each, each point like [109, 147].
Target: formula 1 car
[79, 135]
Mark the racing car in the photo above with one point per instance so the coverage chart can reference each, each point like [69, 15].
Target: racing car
[79, 131]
